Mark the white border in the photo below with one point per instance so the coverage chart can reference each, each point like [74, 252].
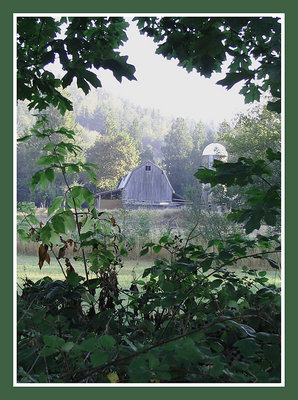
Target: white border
[130, 15]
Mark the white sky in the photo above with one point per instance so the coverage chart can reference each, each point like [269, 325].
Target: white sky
[163, 85]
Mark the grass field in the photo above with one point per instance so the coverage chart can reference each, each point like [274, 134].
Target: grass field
[27, 266]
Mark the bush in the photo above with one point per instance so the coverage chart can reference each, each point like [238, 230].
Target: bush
[187, 320]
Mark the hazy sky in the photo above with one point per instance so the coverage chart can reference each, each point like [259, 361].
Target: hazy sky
[162, 84]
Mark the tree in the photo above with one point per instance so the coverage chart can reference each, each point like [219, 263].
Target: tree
[199, 137]
[253, 133]
[250, 136]
[29, 151]
[147, 154]
[177, 151]
[87, 43]
[115, 156]
[111, 126]
[135, 132]
[91, 42]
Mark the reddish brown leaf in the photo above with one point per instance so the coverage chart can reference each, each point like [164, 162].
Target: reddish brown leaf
[42, 252]
[62, 251]
[69, 268]
[47, 258]
[113, 221]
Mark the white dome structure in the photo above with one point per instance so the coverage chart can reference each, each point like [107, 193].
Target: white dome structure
[215, 149]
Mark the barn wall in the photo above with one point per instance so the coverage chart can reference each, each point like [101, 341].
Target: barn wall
[109, 204]
[151, 186]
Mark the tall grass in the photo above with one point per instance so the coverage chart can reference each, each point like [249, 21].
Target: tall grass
[143, 225]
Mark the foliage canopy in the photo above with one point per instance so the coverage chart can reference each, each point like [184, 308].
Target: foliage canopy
[250, 45]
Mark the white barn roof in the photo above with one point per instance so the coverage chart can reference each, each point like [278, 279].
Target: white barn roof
[215, 149]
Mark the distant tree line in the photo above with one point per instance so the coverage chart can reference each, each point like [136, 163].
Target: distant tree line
[117, 135]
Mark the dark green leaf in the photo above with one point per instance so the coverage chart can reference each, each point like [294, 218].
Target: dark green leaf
[273, 263]
[53, 341]
[144, 251]
[50, 174]
[24, 138]
[73, 278]
[107, 341]
[247, 346]
[58, 223]
[99, 357]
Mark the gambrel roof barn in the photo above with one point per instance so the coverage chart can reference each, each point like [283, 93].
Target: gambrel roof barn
[147, 185]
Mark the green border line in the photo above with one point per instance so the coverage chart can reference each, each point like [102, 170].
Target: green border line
[166, 6]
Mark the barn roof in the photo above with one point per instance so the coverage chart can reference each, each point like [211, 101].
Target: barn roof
[127, 177]
[112, 192]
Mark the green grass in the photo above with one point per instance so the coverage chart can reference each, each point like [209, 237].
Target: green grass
[27, 266]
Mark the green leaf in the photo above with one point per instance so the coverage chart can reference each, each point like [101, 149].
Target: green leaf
[67, 347]
[50, 174]
[88, 297]
[164, 239]
[58, 223]
[45, 160]
[273, 263]
[33, 220]
[274, 106]
[107, 341]
[234, 77]
[48, 351]
[272, 155]
[153, 360]
[73, 279]
[24, 138]
[99, 357]
[89, 344]
[144, 251]
[92, 78]
[82, 83]
[45, 233]
[69, 221]
[247, 346]
[272, 352]
[55, 205]
[73, 168]
[49, 147]
[157, 248]
[88, 196]
[92, 165]
[138, 370]
[76, 191]
[25, 237]
[43, 180]
[53, 341]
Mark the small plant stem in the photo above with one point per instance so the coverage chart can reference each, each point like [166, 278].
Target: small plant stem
[60, 265]
[78, 228]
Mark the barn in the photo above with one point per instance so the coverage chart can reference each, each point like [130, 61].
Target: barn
[147, 185]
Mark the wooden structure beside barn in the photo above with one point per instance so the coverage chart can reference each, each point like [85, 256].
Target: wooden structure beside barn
[145, 186]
